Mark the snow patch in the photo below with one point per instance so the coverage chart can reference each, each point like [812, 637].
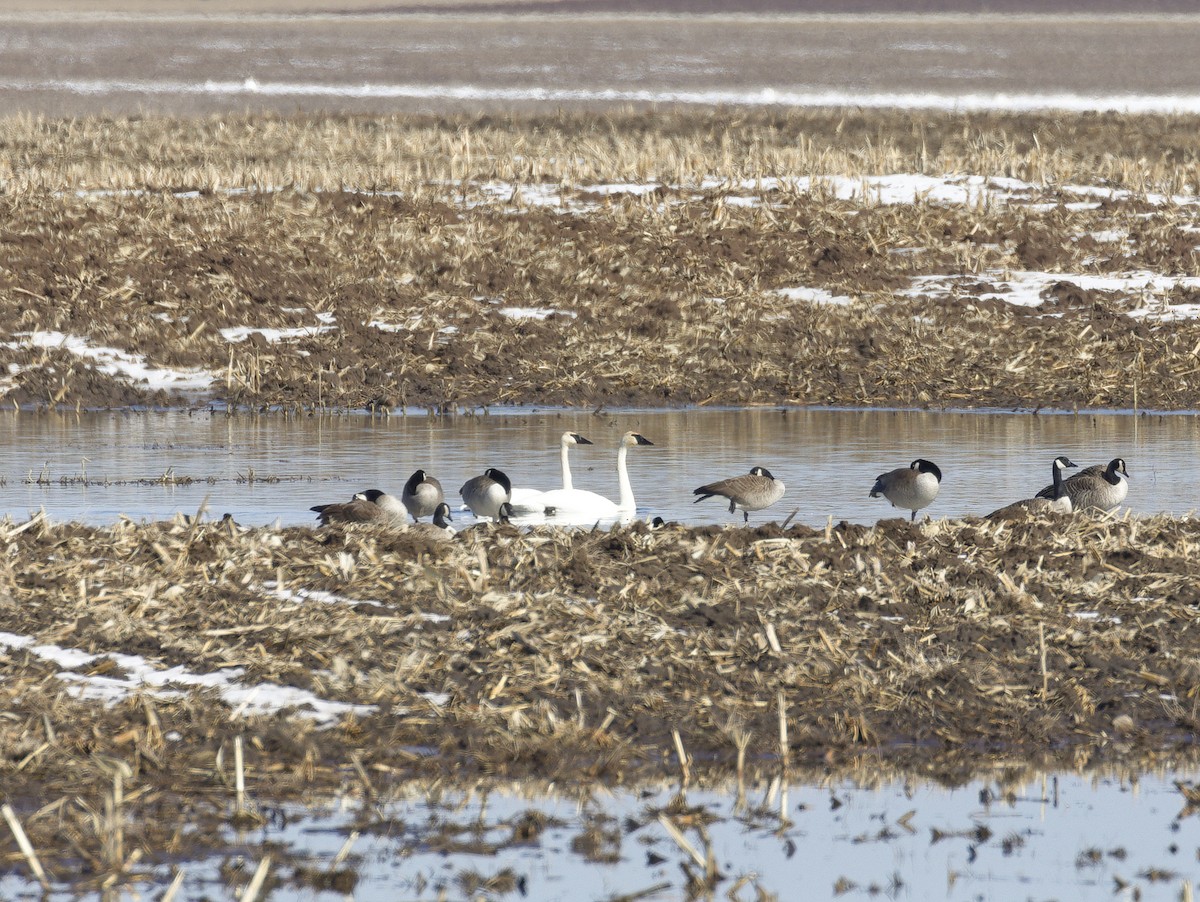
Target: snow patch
[142, 676]
[815, 296]
[113, 362]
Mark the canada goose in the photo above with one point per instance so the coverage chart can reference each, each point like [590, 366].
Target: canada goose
[484, 494]
[753, 492]
[371, 506]
[422, 494]
[1097, 487]
[579, 506]
[440, 529]
[1058, 503]
[912, 487]
[529, 501]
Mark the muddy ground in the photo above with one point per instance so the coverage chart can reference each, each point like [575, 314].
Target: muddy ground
[580, 658]
[411, 235]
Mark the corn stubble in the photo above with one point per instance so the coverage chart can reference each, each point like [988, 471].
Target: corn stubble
[413, 233]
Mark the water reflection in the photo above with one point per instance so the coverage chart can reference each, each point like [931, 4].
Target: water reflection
[827, 458]
[1060, 836]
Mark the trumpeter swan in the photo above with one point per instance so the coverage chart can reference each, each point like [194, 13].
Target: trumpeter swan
[527, 502]
[579, 506]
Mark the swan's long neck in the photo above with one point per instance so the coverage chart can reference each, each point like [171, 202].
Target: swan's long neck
[566, 466]
[626, 503]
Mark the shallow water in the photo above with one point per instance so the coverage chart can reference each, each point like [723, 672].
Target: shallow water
[827, 458]
[1051, 837]
[59, 65]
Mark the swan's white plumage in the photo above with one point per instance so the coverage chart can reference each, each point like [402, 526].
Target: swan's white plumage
[579, 506]
[531, 502]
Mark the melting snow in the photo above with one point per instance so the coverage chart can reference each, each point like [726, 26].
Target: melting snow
[532, 312]
[814, 296]
[118, 363]
[1025, 289]
[235, 334]
[141, 675]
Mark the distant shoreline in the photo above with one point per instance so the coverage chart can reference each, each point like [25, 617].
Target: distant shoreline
[351, 8]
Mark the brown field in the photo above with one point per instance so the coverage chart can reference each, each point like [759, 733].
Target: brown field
[389, 220]
[944, 649]
[939, 648]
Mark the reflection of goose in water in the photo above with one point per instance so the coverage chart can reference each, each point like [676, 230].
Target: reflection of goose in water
[1059, 503]
[912, 487]
[753, 492]
[485, 494]
[1098, 487]
[579, 506]
[422, 494]
[371, 506]
[529, 501]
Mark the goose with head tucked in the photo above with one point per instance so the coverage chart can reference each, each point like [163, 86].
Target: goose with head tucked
[371, 506]
[530, 501]
[485, 494]
[583, 507]
[752, 492]
[913, 487]
[1059, 503]
[422, 494]
[1098, 488]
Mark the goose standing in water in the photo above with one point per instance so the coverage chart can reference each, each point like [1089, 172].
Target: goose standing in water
[371, 506]
[753, 492]
[485, 494]
[530, 501]
[579, 506]
[913, 487]
[1098, 487]
[1058, 503]
[440, 529]
[421, 496]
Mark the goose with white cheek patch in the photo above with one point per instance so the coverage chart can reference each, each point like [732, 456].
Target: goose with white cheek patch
[371, 506]
[422, 494]
[485, 494]
[1059, 503]
[913, 487]
[1097, 487]
[440, 529]
[753, 492]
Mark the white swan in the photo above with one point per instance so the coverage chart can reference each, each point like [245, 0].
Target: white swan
[527, 502]
[579, 506]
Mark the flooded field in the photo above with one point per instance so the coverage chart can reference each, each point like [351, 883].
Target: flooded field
[900, 213]
[95, 468]
[381, 61]
[1059, 836]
